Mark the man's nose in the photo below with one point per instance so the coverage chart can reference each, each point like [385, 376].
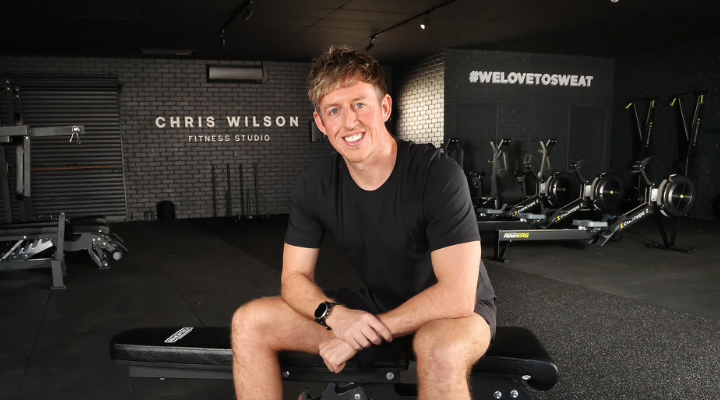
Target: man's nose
[350, 119]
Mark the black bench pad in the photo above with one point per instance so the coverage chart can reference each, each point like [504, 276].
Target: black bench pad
[515, 352]
[31, 229]
[81, 225]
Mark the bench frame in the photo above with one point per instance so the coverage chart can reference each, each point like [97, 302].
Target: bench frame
[380, 384]
[176, 353]
[24, 234]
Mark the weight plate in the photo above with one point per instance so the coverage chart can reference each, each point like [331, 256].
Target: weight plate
[676, 196]
[561, 189]
[607, 193]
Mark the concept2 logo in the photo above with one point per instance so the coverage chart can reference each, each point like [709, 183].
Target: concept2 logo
[634, 219]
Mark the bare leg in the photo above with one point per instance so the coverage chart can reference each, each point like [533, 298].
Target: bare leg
[260, 329]
[446, 350]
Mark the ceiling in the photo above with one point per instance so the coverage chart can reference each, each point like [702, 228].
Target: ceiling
[298, 30]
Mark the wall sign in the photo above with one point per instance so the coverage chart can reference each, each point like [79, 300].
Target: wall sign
[250, 122]
[530, 78]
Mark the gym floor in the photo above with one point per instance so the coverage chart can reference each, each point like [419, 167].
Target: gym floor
[622, 321]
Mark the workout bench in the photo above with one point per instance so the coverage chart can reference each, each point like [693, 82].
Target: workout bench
[515, 360]
[93, 234]
[24, 246]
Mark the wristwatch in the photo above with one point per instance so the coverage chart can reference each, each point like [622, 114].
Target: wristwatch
[323, 311]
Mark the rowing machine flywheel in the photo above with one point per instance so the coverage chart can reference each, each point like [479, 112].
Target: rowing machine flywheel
[607, 193]
[676, 196]
[562, 188]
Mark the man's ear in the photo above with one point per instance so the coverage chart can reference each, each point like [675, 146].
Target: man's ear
[319, 123]
[386, 107]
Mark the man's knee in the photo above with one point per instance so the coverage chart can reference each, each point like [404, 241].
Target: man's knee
[252, 320]
[434, 352]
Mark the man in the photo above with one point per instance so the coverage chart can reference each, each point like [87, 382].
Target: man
[403, 215]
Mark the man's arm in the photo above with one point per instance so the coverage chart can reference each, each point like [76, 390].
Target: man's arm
[359, 328]
[457, 269]
[299, 289]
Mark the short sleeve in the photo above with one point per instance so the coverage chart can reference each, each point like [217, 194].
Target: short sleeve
[304, 228]
[448, 207]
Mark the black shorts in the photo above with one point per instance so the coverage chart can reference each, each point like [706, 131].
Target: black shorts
[400, 347]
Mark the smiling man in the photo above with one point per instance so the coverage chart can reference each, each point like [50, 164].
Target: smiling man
[402, 213]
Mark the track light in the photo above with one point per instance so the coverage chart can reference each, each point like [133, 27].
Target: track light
[370, 44]
[249, 11]
[425, 22]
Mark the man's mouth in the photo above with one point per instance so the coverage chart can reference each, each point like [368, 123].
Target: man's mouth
[353, 138]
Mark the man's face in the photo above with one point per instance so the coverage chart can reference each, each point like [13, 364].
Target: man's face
[354, 120]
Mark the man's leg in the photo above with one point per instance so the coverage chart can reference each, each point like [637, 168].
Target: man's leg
[260, 329]
[446, 350]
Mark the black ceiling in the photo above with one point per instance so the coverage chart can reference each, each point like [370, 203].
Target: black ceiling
[298, 30]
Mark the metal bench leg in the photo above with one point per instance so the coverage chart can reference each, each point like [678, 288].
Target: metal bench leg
[57, 274]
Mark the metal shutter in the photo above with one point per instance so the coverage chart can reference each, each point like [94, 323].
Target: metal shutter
[84, 179]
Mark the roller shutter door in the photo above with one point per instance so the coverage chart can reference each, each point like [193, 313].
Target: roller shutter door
[77, 179]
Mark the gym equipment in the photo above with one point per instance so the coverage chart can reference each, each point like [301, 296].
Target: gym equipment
[673, 198]
[246, 216]
[88, 233]
[690, 133]
[644, 130]
[493, 201]
[19, 135]
[554, 188]
[25, 245]
[505, 187]
[605, 194]
[93, 235]
[455, 149]
[586, 231]
[515, 359]
[644, 134]
[476, 179]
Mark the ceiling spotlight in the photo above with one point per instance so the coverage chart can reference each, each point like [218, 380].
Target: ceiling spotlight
[614, 1]
[425, 22]
[370, 44]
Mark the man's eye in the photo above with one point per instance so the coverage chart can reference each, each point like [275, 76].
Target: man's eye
[359, 105]
[334, 111]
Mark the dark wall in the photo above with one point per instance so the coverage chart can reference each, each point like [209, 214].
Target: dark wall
[177, 163]
[662, 74]
[579, 117]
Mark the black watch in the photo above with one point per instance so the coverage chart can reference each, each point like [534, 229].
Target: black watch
[323, 311]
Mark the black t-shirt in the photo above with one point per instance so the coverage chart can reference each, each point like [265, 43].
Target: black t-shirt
[388, 234]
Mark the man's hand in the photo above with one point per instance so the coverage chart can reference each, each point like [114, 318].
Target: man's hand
[357, 328]
[335, 352]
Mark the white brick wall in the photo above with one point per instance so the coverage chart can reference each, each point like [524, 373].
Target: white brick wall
[420, 100]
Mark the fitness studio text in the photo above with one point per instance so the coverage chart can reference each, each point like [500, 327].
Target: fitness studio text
[229, 138]
[232, 122]
[529, 78]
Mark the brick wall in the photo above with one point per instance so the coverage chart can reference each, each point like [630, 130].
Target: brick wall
[164, 164]
[419, 104]
[662, 74]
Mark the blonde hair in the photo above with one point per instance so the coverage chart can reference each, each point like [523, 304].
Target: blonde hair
[341, 67]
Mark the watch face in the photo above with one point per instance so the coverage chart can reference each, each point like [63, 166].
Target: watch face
[320, 310]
